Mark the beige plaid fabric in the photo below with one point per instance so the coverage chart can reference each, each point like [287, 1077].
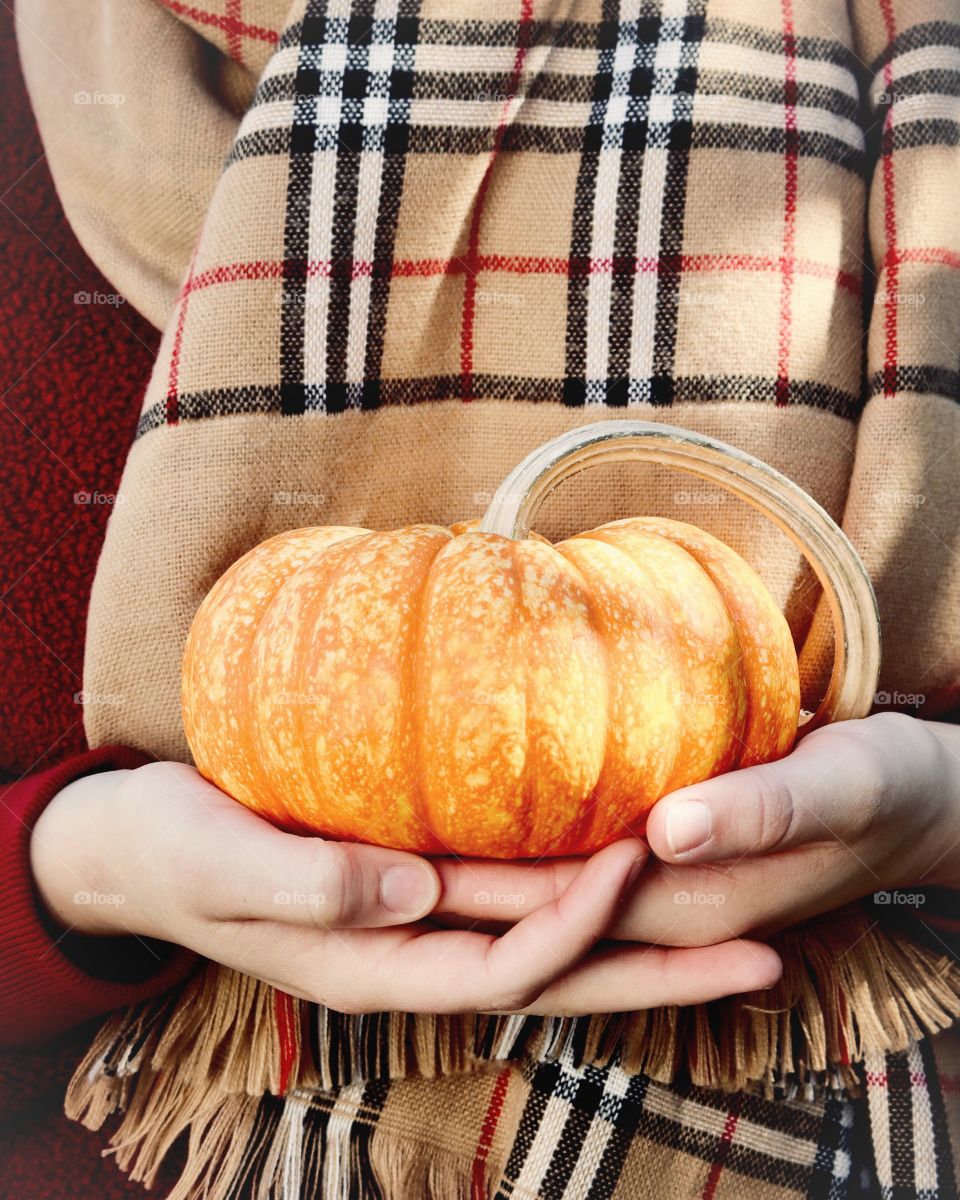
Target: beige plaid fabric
[396, 244]
[547, 229]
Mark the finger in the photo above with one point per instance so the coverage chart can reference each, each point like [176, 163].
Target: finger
[482, 971]
[345, 885]
[490, 890]
[264, 873]
[822, 792]
[607, 979]
[625, 979]
[701, 905]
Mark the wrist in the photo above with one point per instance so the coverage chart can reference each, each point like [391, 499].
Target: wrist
[73, 859]
[944, 868]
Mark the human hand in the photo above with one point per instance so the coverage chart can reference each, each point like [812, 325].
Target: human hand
[858, 807]
[331, 922]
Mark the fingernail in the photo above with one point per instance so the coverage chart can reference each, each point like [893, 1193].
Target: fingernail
[689, 825]
[635, 868]
[406, 890]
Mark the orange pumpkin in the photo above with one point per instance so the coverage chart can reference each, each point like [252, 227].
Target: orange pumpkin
[446, 690]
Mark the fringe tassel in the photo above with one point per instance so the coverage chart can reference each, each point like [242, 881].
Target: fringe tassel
[213, 1059]
[289, 1149]
[324, 1151]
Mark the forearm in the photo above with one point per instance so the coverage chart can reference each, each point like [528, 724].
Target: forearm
[53, 976]
[70, 850]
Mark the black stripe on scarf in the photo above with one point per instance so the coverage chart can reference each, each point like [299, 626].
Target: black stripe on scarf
[263, 398]
[947, 1177]
[302, 139]
[673, 210]
[396, 144]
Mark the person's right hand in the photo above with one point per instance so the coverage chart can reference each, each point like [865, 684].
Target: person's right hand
[161, 852]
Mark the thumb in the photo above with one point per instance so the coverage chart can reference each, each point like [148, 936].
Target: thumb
[265, 874]
[810, 796]
[357, 887]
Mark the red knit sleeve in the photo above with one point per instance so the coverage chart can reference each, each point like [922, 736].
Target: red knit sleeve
[43, 988]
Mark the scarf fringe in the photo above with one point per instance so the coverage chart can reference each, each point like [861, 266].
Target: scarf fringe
[212, 1060]
[293, 1148]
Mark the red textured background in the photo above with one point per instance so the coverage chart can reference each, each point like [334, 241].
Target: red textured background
[71, 380]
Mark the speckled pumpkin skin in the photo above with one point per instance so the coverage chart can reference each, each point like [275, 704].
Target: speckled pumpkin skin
[444, 690]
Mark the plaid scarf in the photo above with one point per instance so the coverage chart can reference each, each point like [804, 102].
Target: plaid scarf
[443, 234]
[565, 1129]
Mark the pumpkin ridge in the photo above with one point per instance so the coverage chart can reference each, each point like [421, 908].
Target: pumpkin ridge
[579, 830]
[526, 812]
[676, 650]
[192, 681]
[303, 661]
[302, 664]
[294, 683]
[719, 559]
[253, 724]
[263, 797]
[745, 691]
[732, 685]
[411, 553]
[420, 797]
[742, 692]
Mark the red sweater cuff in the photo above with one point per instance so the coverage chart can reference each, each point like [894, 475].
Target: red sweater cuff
[42, 991]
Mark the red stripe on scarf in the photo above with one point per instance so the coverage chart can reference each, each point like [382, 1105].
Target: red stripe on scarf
[173, 379]
[841, 1022]
[516, 264]
[791, 167]
[918, 1079]
[286, 1028]
[478, 1190]
[470, 284]
[228, 24]
[723, 1149]
[929, 254]
[232, 30]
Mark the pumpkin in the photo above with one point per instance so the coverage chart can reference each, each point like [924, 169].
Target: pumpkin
[453, 691]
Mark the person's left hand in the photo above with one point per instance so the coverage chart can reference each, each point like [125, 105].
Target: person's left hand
[857, 808]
